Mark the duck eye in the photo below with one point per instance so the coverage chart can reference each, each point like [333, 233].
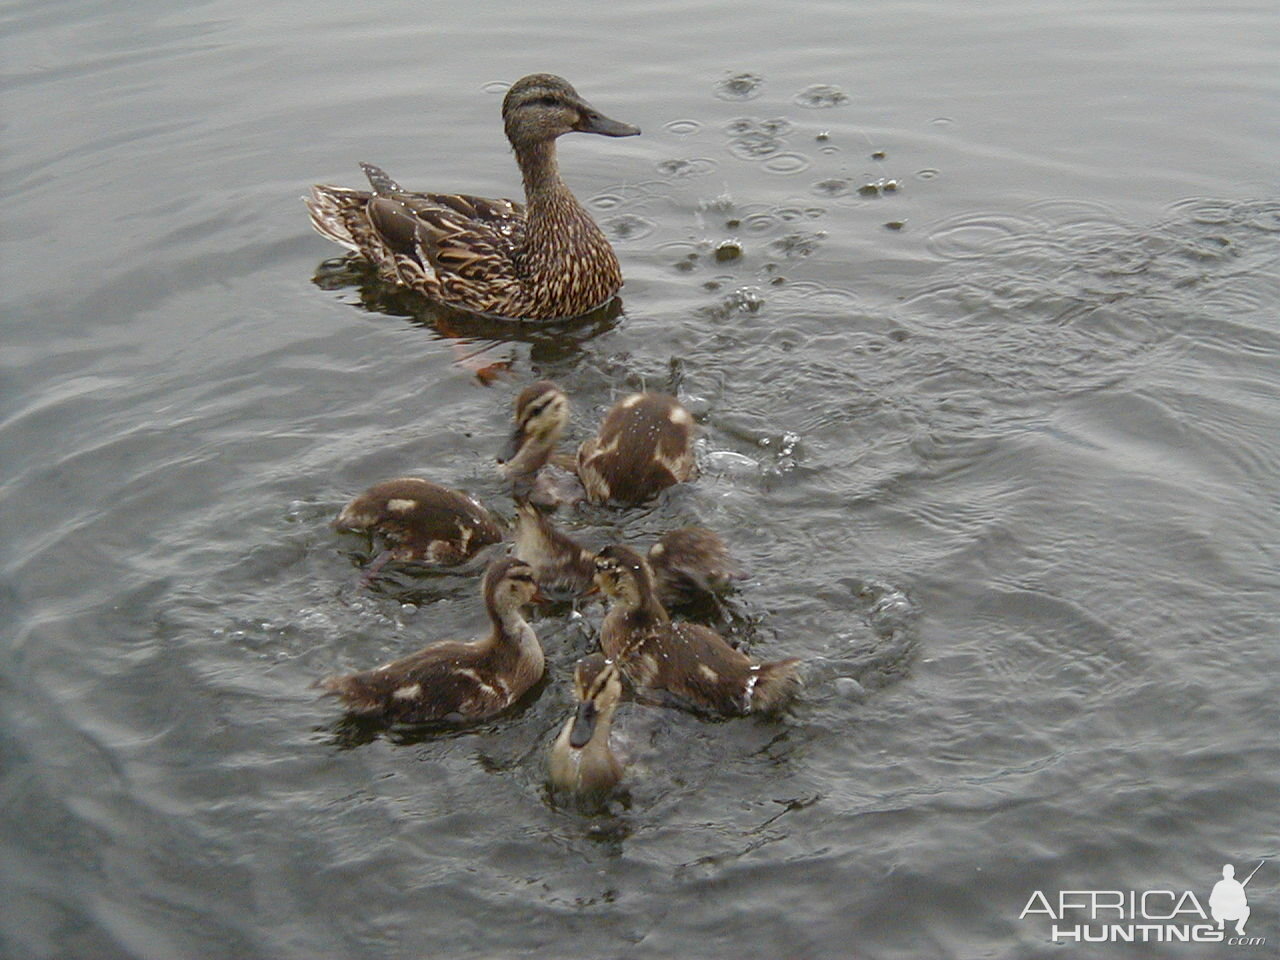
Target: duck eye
[547, 102]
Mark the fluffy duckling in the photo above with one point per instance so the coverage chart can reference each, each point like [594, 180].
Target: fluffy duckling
[453, 681]
[581, 763]
[643, 446]
[687, 660]
[541, 259]
[422, 522]
[562, 566]
[690, 564]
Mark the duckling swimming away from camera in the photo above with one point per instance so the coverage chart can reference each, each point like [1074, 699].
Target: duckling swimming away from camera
[422, 522]
[537, 260]
[643, 446]
[687, 660]
[454, 681]
[581, 761]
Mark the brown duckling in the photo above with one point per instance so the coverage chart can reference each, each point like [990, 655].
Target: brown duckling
[422, 522]
[454, 681]
[690, 564]
[541, 259]
[581, 761]
[562, 566]
[688, 660]
[643, 446]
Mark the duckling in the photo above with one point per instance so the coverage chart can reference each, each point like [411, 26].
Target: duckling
[643, 446]
[690, 564]
[581, 761]
[422, 521]
[453, 681]
[688, 660]
[542, 259]
[561, 565]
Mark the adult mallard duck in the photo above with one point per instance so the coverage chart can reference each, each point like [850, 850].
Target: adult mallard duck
[691, 662]
[453, 681]
[538, 260]
[581, 762]
[422, 522]
[643, 446]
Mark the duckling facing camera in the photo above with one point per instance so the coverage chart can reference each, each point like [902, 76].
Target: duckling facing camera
[582, 763]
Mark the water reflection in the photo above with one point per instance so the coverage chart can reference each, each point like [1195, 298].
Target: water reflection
[552, 341]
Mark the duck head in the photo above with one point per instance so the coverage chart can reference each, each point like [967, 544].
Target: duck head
[541, 414]
[509, 586]
[598, 687]
[542, 106]
[623, 575]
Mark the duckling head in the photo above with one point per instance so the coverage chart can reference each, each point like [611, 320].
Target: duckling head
[509, 585]
[598, 686]
[541, 414]
[542, 106]
[623, 574]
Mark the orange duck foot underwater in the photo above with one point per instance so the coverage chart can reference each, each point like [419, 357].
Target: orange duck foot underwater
[454, 681]
[690, 662]
[643, 446]
[543, 259]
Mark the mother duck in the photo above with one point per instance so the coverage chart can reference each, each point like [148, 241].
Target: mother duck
[539, 260]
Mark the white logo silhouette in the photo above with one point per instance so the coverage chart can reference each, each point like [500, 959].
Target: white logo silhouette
[1227, 901]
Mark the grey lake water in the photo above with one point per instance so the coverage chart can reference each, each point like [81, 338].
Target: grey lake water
[978, 306]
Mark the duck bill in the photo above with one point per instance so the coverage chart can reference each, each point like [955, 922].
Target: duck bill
[584, 725]
[593, 122]
[512, 446]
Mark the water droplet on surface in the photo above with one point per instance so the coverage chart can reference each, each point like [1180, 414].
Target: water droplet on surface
[926, 174]
[682, 169]
[821, 96]
[728, 250]
[496, 87]
[740, 86]
[787, 163]
[628, 226]
[682, 128]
